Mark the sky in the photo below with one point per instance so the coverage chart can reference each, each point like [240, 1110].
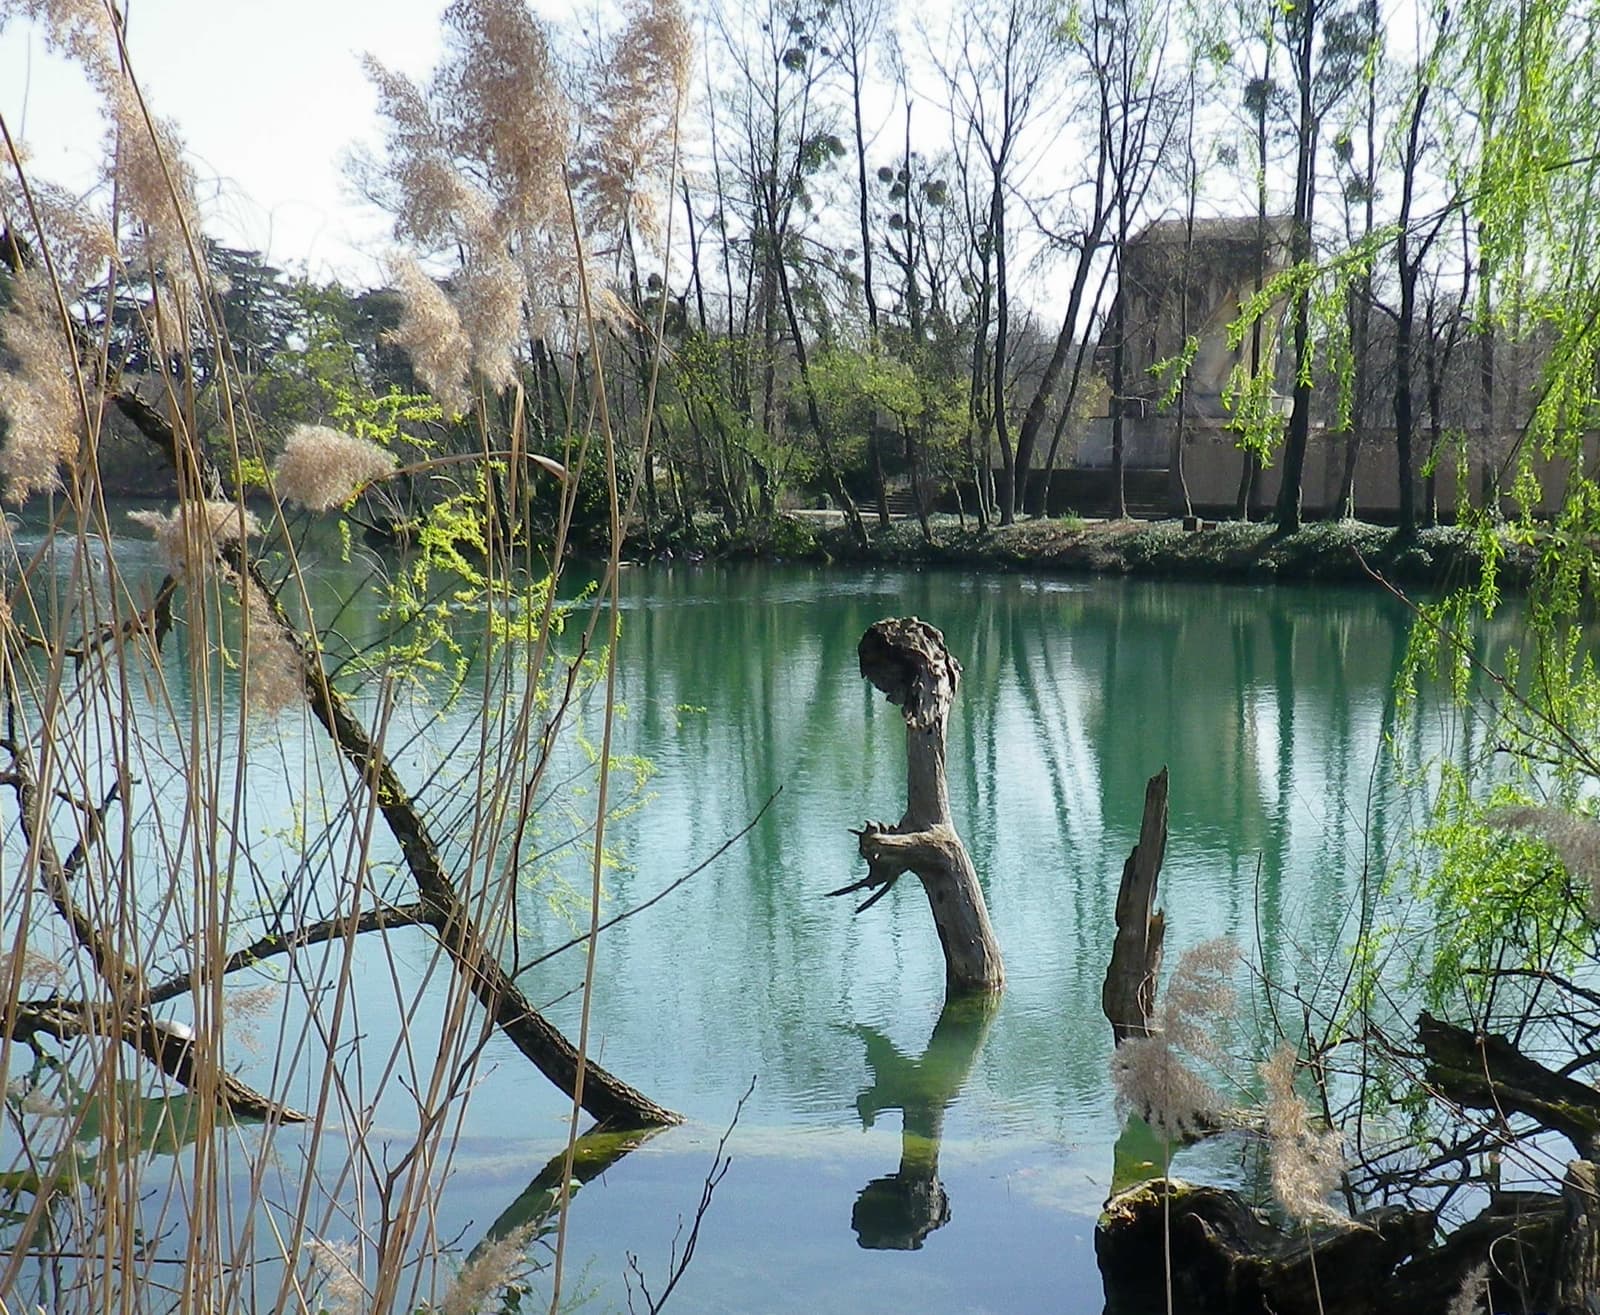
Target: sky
[269, 98]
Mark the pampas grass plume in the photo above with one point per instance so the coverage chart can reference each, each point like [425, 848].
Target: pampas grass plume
[1474, 1294]
[1155, 1075]
[274, 669]
[431, 334]
[1575, 839]
[489, 1271]
[37, 397]
[342, 1292]
[322, 468]
[1306, 1160]
[193, 532]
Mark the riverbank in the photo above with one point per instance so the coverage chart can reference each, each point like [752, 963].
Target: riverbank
[1326, 551]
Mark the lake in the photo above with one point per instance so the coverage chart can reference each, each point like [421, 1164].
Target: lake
[892, 1156]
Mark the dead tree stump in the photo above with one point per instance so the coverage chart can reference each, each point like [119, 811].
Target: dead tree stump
[906, 659]
[1577, 1264]
[1129, 994]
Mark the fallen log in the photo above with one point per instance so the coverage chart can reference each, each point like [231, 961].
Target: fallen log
[608, 1099]
[907, 660]
[169, 1046]
[1487, 1072]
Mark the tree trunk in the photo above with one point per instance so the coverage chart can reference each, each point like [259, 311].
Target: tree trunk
[830, 464]
[1118, 508]
[907, 659]
[1002, 333]
[1129, 994]
[1299, 435]
[1226, 1260]
[1064, 417]
[1577, 1267]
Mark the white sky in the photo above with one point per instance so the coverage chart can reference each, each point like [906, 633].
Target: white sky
[268, 97]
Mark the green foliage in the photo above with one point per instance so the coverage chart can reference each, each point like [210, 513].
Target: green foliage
[1252, 403]
[1171, 373]
[782, 538]
[1501, 899]
[591, 508]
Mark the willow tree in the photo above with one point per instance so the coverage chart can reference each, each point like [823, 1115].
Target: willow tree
[1510, 888]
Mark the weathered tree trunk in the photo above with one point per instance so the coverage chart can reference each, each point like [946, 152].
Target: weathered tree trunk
[1577, 1267]
[907, 659]
[1129, 994]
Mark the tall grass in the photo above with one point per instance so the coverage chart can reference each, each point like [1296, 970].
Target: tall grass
[256, 886]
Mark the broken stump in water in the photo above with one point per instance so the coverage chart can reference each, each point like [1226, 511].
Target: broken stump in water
[1129, 994]
[1226, 1260]
[906, 659]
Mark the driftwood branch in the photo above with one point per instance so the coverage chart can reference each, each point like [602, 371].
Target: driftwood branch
[1129, 994]
[130, 1019]
[287, 942]
[120, 977]
[907, 660]
[166, 1045]
[606, 1097]
[1487, 1072]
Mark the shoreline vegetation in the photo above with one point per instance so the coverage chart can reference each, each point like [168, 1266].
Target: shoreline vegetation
[1324, 552]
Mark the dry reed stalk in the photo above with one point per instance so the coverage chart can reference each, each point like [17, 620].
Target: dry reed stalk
[92, 728]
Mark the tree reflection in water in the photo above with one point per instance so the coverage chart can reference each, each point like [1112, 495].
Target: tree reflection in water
[898, 1212]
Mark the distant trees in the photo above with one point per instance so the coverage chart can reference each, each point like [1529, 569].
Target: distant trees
[869, 221]
[1325, 44]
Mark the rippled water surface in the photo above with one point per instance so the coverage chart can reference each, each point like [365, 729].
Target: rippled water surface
[1272, 709]
[894, 1155]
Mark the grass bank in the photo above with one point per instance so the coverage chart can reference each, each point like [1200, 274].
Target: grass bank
[1329, 551]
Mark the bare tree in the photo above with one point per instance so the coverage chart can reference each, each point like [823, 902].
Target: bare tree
[996, 68]
[1326, 45]
[786, 143]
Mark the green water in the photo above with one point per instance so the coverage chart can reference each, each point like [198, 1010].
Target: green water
[894, 1155]
[1272, 709]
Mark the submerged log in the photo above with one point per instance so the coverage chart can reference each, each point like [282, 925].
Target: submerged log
[1535, 1250]
[907, 660]
[1227, 1260]
[1129, 994]
[1510, 1244]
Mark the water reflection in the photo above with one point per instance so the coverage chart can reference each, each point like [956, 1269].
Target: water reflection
[898, 1212]
[534, 1208]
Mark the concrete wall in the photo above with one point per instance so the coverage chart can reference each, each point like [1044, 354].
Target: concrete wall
[1213, 464]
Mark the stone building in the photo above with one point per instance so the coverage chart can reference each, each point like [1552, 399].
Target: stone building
[1215, 275]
